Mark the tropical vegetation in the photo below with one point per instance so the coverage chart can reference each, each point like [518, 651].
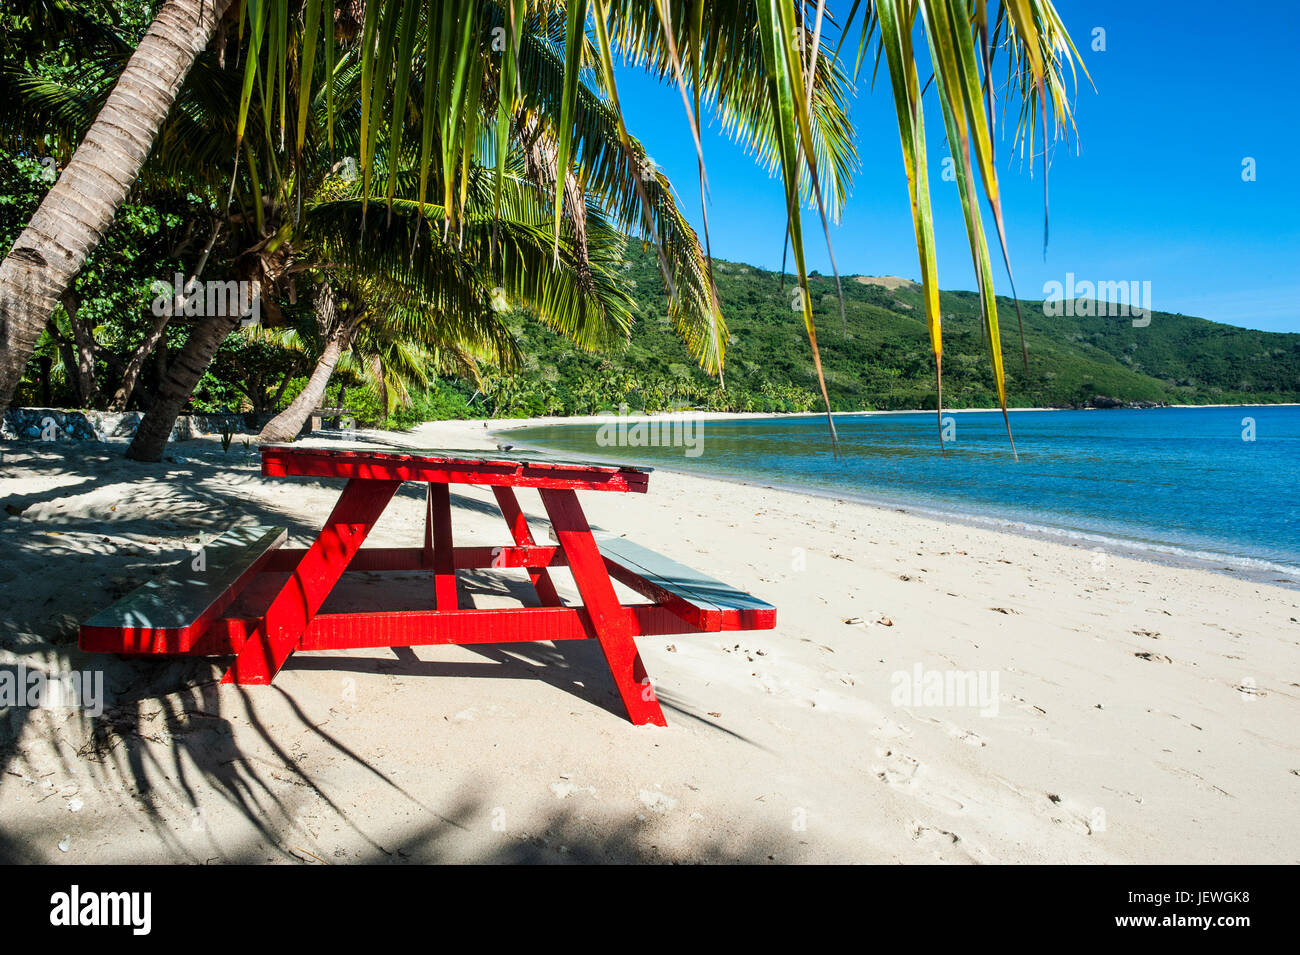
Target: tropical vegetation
[772, 70]
[884, 360]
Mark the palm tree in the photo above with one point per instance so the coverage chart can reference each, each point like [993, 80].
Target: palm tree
[569, 288]
[49, 253]
[762, 66]
[402, 265]
[388, 359]
[190, 148]
[337, 327]
[616, 175]
[272, 28]
[382, 343]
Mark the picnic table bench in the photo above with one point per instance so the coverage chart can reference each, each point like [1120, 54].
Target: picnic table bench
[211, 605]
[339, 418]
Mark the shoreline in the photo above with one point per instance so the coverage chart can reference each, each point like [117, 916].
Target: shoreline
[1256, 570]
[509, 424]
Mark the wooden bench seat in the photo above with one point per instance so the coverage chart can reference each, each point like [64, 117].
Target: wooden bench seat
[171, 613]
[343, 418]
[704, 603]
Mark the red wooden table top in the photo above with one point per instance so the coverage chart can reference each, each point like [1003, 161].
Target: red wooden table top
[513, 468]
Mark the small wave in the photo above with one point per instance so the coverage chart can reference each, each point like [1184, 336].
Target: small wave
[1107, 541]
[1160, 552]
[1208, 547]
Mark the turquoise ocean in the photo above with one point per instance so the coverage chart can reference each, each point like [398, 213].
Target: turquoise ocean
[1203, 486]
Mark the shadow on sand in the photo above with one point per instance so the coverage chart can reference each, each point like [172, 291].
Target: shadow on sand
[165, 740]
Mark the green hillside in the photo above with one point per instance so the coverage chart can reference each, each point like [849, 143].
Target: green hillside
[884, 362]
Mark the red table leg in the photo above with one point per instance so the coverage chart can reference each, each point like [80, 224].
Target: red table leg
[514, 516]
[609, 619]
[319, 570]
[438, 545]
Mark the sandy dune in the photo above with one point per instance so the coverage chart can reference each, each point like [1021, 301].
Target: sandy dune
[1131, 712]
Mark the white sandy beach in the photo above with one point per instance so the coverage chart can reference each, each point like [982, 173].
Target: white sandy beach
[1143, 713]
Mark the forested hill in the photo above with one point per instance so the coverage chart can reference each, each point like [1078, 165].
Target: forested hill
[882, 360]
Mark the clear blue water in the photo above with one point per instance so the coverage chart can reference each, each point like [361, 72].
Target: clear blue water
[1175, 481]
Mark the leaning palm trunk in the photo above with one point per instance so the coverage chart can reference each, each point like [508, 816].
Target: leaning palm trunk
[286, 425]
[75, 213]
[177, 386]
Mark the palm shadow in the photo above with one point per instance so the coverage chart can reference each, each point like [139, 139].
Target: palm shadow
[166, 734]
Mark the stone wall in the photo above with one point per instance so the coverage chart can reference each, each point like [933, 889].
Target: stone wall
[56, 424]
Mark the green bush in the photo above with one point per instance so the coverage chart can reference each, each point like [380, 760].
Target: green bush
[443, 402]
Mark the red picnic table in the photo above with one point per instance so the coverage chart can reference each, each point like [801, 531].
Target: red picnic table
[203, 609]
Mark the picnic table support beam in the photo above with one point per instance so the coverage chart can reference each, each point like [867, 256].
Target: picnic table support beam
[428, 525]
[610, 620]
[300, 598]
[438, 548]
[523, 537]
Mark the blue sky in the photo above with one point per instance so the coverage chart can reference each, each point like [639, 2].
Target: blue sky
[1151, 190]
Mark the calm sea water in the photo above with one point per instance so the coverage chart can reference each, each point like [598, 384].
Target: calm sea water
[1181, 482]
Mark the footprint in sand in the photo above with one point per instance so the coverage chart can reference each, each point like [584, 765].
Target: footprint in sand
[1073, 816]
[902, 771]
[895, 768]
[944, 845]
